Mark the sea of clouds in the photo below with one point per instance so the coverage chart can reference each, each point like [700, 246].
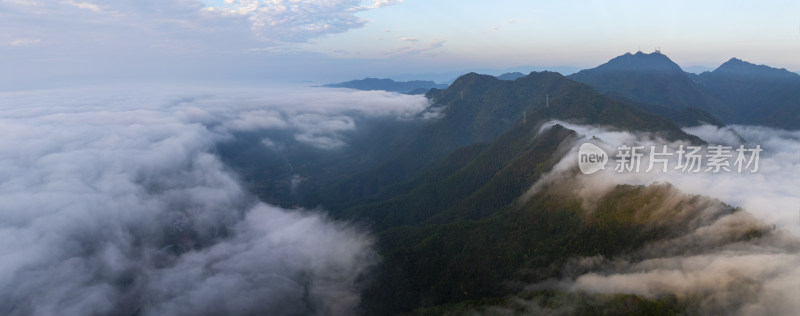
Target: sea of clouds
[112, 202]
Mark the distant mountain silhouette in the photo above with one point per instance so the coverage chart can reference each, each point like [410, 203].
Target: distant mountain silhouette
[756, 94]
[510, 76]
[738, 67]
[410, 87]
[651, 79]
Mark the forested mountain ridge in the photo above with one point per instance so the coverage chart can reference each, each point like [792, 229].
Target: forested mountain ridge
[478, 109]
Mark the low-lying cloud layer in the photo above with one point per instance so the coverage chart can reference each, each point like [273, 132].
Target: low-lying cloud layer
[769, 193]
[721, 262]
[112, 203]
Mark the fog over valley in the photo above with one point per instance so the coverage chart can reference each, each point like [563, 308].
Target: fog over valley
[113, 202]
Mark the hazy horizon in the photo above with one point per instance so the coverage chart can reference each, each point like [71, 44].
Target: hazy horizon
[57, 42]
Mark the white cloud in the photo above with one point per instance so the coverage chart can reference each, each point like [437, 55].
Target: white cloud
[118, 38]
[415, 48]
[297, 21]
[706, 262]
[84, 5]
[384, 3]
[111, 202]
[25, 41]
[257, 119]
[766, 193]
[316, 116]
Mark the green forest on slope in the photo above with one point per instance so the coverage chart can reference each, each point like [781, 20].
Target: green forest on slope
[447, 199]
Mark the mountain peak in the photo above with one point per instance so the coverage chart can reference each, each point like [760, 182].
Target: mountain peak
[642, 62]
[739, 67]
[649, 78]
[655, 53]
[472, 78]
[735, 62]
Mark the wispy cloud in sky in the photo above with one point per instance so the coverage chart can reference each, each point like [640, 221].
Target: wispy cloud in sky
[24, 41]
[297, 21]
[413, 47]
[110, 39]
[185, 20]
[104, 40]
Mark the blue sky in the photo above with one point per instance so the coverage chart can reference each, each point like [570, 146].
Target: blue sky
[318, 41]
[581, 33]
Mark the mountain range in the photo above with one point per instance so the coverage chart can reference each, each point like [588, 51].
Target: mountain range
[409, 87]
[449, 196]
[737, 92]
[460, 177]
[454, 178]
